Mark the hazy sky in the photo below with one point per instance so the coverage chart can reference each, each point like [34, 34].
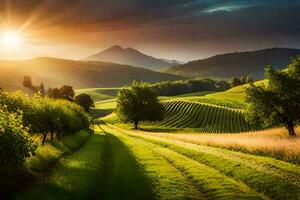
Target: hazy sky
[176, 29]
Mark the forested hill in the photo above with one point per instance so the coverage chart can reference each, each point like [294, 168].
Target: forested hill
[237, 64]
[56, 72]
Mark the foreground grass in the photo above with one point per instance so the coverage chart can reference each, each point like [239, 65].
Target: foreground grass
[167, 181]
[179, 177]
[39, 166]
[102, 169]
[73, 178]
[51, 152]
[276, 179]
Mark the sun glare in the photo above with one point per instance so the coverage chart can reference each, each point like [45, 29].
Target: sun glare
[11, 39]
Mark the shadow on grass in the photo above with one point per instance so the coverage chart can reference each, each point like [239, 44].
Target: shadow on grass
[102, 169]
[123, 176]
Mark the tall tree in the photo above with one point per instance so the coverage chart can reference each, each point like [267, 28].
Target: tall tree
[278, 102]
[138, 103]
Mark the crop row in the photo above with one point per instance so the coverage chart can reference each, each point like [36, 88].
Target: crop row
[205, 117]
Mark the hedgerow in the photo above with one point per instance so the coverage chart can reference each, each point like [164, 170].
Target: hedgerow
[43, 115]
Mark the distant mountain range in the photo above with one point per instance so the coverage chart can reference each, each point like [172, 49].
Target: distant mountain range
[130, 56]
[79, 74]
[236, 64]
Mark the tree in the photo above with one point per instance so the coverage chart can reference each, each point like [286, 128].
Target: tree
[53, 93]
[249, 79]
[27, 82]
[235, 82]
[85, 101]
[67, 92]
[243, 79]
[278, 102]
[42, 89]
[138, 103]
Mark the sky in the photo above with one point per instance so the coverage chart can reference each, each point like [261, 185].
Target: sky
[174, 29]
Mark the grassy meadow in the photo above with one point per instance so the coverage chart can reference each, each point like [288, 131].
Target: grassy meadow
[203, 149]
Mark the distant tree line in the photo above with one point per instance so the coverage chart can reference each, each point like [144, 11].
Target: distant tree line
[65, 92]
[170, 88]
[240, 81]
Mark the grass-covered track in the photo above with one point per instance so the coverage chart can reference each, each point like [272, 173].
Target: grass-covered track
[276, 179]
[102, 169]
[208, 181]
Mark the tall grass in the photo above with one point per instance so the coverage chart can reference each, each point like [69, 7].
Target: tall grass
[273, 143]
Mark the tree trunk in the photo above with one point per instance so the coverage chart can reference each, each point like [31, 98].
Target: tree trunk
[44, 138]
[291, 128]
[136, 122]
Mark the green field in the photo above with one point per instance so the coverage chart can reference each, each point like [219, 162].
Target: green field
[99, 94]
[116, 163]
[211, 112]
[120, 163]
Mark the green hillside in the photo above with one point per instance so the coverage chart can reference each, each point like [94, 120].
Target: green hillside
[213, 112]
[79, 74]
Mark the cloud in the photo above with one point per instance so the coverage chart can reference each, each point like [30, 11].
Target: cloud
[214, 25]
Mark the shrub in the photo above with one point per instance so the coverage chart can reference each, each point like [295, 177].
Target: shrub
[15, 142]
[44, 115]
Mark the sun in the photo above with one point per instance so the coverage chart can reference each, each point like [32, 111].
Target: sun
[11, 39]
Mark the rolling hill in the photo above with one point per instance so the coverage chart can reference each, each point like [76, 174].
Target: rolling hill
[130, 56]
[80, 74]
[216, 112]
[237, 64]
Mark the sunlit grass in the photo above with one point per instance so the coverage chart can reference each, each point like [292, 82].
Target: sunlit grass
[276, 179]
[273, 143]
[51, 152]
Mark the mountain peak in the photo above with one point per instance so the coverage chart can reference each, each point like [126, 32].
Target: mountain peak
[129, 56]
[114, 48]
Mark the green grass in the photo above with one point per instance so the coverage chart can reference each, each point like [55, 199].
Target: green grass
[103, 108]
[220, 112]
[120, 164]
[73, 178]
[102, 169]
[273, 178]
[51, 152]
[192, 116]
[158, 160]
[99, 94]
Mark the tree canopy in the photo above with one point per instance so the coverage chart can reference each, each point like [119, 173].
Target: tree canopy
[278, 102]
[85, 101]
[138, 103]
[65, 92]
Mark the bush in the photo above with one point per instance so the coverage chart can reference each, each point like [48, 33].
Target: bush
[15, 142]
[44, 115]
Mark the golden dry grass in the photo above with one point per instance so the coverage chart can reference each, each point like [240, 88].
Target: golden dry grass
[274, 142]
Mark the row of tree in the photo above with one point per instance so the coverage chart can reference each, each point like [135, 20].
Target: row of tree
[65, 92]
[169, 88]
